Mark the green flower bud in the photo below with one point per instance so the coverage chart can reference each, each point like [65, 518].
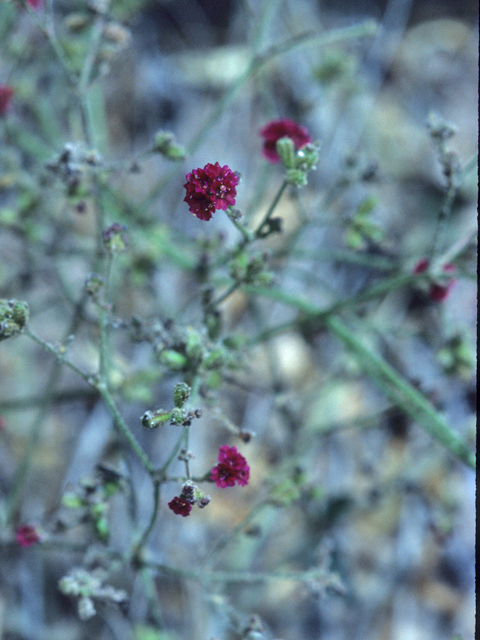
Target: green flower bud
[154, 419]
[286, 151]
[13, 317]
[177, 416]
[215, 359]
[296, 177]
[307, 157]
[115, 238]
[181, 393]
[93, 284]
[173, 360]
[193, 346]
[164, 142]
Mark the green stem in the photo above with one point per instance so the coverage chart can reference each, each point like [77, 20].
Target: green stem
[124, 429]
[402, 393]
[271, 209]
[103, 322]
[399, 390]
[163, 471]
[153, 517]
[106, 396]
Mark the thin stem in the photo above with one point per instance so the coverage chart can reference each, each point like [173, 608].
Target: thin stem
[271, 209]
[103, 322]
[153, 517]
[61, 357]
[402, 393]
[397, 388]
[163, 471]
[106, 396]
[124, 429]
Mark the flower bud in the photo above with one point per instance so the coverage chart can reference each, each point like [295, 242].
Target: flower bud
[286, 151]
[173, 359]
[13, 317]
[115, 238]
[181, 393]
[154, 419]
[297, 177]
[164, 142]
[93, 284]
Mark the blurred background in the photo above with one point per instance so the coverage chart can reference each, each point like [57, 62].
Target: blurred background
[361, 492]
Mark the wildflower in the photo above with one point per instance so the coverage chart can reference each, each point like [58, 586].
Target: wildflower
[209, 189]
[278, 129]
[180, 506]
[231, 468]
[439, 290]
[34, 4]
[115, 238]
[6, 95]
[27, 535]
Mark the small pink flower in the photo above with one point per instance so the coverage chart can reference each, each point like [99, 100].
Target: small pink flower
[180, 506]
[27, 535]
[209, 189]
[231, 468]
[421, 266]
[438, 291]
[6, 95]
[34, 4]
[277, 129]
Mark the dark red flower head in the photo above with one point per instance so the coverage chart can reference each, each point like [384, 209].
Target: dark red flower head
[438, 291]
[209, 189]
[277, 129]
[180, 506]
[34, 4]
[26, 535]
[6, 95]
[231, 468]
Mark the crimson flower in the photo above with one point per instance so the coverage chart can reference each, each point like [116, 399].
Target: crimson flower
[277, 129]
[209, 189]
[34, 4]
[6, 95]
[231, 468]
[180, 506]
[27, 535]
[438, 291]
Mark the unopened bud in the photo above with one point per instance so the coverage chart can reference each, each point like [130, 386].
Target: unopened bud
[13, 317]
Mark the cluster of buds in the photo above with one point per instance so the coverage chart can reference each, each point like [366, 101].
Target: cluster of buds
[89, 586]
[115, 238]
[71, 164]
[361, 230]
[165, 143]
[251, 270]
[13, 318]
[287, 142]
[178, 416]
[189, 496]
[90, 502]
[93, 285]
[297, 163]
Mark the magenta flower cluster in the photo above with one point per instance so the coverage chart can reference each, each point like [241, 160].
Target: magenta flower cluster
[285, 128]
[180, 506]
[438, 291]
[231, 468]
[6, 95]
[209, 189]
[26, 535]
